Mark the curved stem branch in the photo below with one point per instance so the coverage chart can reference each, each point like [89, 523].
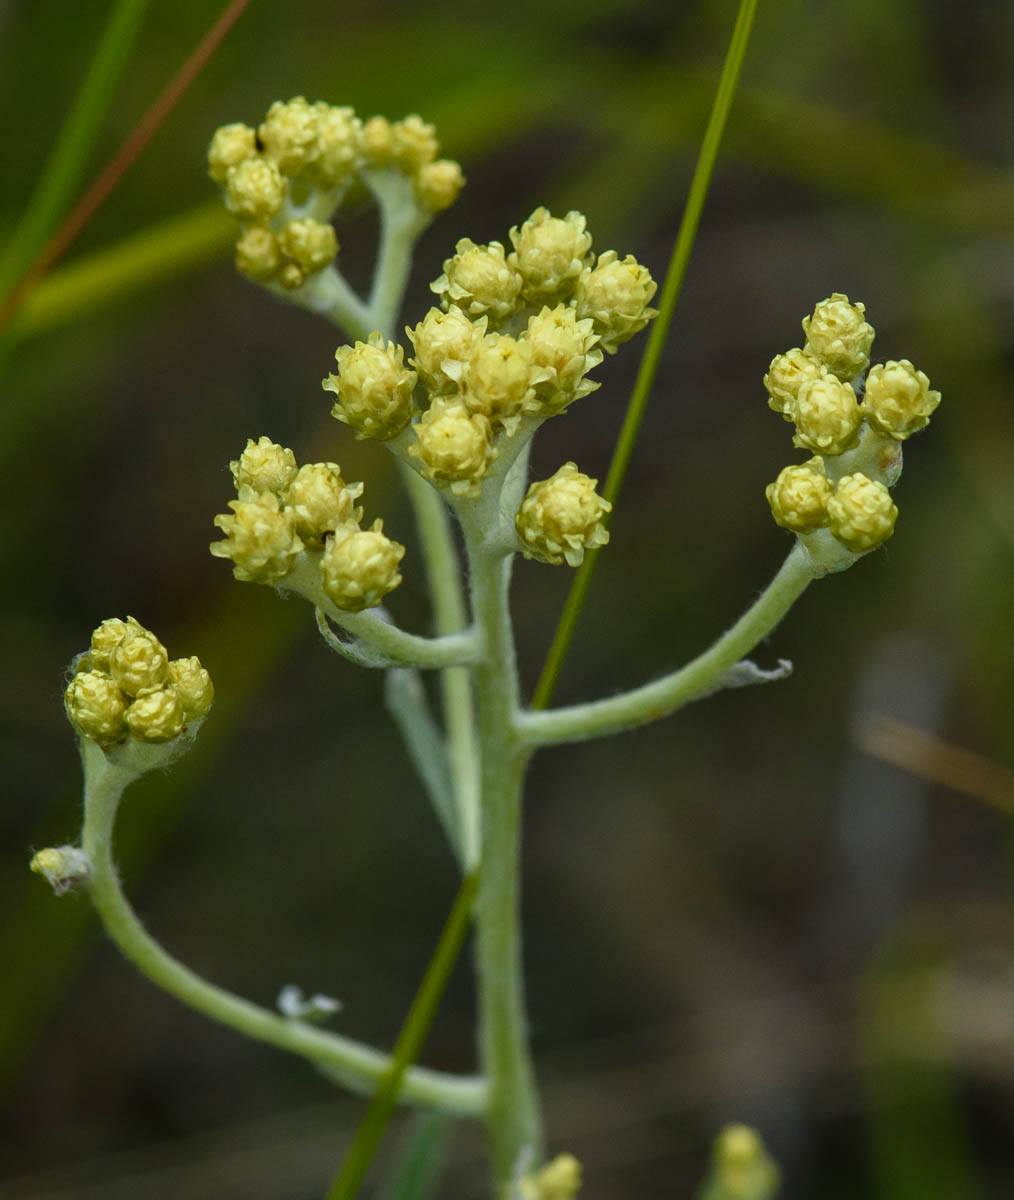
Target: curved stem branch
[696, 679]
[344, 1056]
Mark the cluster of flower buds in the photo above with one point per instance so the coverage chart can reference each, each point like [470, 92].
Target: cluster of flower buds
[126, 686]
[283, 511]
[285, 179]
[851, 421]
[515, 336]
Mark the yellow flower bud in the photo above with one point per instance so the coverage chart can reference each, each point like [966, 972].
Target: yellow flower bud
[95, 707]
[229, 146]
[192, 684]
[498, 379]
[291, 276]
[799, 496]
[320, 501]
[360, 567]
[413, 143]
[254, 190]
[549, 254]
[479, 280]
[838, 334]
[898, 400]
[558, 1180]
[827, 416]
[289, 134]
[566, 349]
[438, 184]
[63, 867]
[264, 466]
[374, 388]
[156, 716]
[742, 1167]
[454, 447]
[311, 244]
[786, 375]
[615, 296]
[139, 663]
[259, 539]
[378, 141]
[443, 344]
[339, 143]
[561, 517]
[861, 513]
[257, 254]
[106, 638]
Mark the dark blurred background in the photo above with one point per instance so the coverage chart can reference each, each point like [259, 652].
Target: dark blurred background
[772, 908]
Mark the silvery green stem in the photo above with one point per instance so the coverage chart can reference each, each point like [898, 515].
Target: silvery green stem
[328, 294]
[349, 1059]
[698, 678]
[401, 222]
[512, 1113]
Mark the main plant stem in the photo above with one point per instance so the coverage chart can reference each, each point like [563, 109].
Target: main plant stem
[512, 1110]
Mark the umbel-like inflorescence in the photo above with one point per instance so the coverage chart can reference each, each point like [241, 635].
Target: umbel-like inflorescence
[285, 180]
[126, 686]
[853, 422]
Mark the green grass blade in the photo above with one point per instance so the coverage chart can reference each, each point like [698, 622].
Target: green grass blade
[684, 244]
[410, 1041]
[415, 1171]
[65, 166]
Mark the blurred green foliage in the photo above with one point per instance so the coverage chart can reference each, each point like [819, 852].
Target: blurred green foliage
[669, 879]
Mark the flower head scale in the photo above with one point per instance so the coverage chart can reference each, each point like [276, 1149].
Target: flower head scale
[549, 254]
[480, 281]
[561, 517]
[615, 294]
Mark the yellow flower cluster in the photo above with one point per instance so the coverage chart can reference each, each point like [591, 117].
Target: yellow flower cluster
[515, 335]
[127, 686]
[559, 1179]
[283, 510]
[854, 422]
[304, 157]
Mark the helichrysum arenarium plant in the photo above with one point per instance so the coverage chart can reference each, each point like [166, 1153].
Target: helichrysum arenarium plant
[513, 339]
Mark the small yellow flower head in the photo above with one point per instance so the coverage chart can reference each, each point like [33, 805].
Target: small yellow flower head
[454, 447]
[63, 867]
[289, 134]
[264, 466]
[360, 567]
[339, 143]
[311, 244]
[549, 254]
[558, 1180]
[861, 513]
[106, 638]
[498, 379]
[799, 496]
[786, 375]
[257, 254]
[565, 347]
[192, 685]
[291, 276]
[413, 143]
[259, 539]
[229, 146]
[742, 1166]
[838, 334]
[139, 663]
[898, 399]
[95, 707]
[615, 296]
[254, 190]
[480, 281]
[378, 141]
[320, 501]
[374, 388]
[443, 344]
[438, 184]
[827, 416]
[156, 716]
[561, 517]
